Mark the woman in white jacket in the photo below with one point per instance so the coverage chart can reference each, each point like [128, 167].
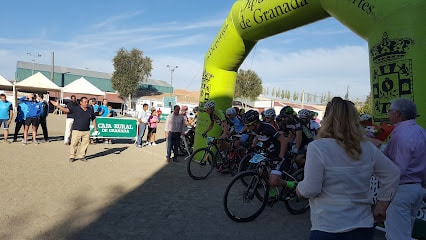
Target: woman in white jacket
[339, 166]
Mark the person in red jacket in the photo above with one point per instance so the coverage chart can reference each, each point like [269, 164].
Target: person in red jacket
[159, 112]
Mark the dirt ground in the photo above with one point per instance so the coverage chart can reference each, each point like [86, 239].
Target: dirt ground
[122, 192]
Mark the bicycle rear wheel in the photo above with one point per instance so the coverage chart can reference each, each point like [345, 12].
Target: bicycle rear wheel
[201, 164]
[293, 203]
[244, 202]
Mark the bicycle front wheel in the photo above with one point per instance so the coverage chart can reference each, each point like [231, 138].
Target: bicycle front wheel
[293, 203]
[244, 202]
[184, 147]
[245, 165]
[200, 164]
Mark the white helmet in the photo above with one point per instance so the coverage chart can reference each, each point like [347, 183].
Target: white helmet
[231, 111]
[209, 104]
[365, 117]
[304, 113]
[270, 112]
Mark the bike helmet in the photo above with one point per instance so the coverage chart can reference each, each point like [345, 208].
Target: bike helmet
[250, 117]
[231, 111]
[365, 117]
[209, 104]
[287, 110]
[304, 113]
[270, 112]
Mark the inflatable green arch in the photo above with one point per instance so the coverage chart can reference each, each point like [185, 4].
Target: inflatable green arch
[394, 30]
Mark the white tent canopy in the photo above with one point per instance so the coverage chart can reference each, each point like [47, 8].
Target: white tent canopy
[37, 82]
[5, 84]
[82, 86]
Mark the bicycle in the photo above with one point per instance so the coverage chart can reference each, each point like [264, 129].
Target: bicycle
[248, 193]
[203, 160]
[187, 143]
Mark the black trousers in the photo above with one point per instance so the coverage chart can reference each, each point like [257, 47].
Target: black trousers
[43, 124]
[18, 126]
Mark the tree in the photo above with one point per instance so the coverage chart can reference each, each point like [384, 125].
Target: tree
[323, 99]
[282, 94]
[367, 107]
[329, 96]
[248, 85]
[130, 69]
[347, 93]
[288, 95]
[295, 96]
[273, 92]
[309, 97]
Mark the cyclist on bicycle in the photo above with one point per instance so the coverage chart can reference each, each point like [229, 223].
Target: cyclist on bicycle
[237, 125]
[314, 125]
[298, 132]
[217, 116]
[269, 117]
[266, 133]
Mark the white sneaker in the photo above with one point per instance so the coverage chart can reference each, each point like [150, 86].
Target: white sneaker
[146, 144]
[153, 144]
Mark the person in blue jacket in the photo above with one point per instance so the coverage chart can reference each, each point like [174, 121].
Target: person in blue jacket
[20, 117]
[43, 116]
[32, 119]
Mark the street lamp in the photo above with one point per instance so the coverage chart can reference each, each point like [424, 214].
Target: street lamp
[63, 78]
[33, 60]
[172, 69]
[62, 85]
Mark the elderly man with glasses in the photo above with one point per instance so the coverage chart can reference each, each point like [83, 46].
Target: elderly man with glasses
[407, 149]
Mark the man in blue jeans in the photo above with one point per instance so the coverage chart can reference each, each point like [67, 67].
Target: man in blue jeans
[142, 122]
[174, 128]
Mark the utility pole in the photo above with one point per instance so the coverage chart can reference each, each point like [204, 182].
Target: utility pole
[172, 69]
[52, 73]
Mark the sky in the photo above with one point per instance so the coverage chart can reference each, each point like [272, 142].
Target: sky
[321, 57]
